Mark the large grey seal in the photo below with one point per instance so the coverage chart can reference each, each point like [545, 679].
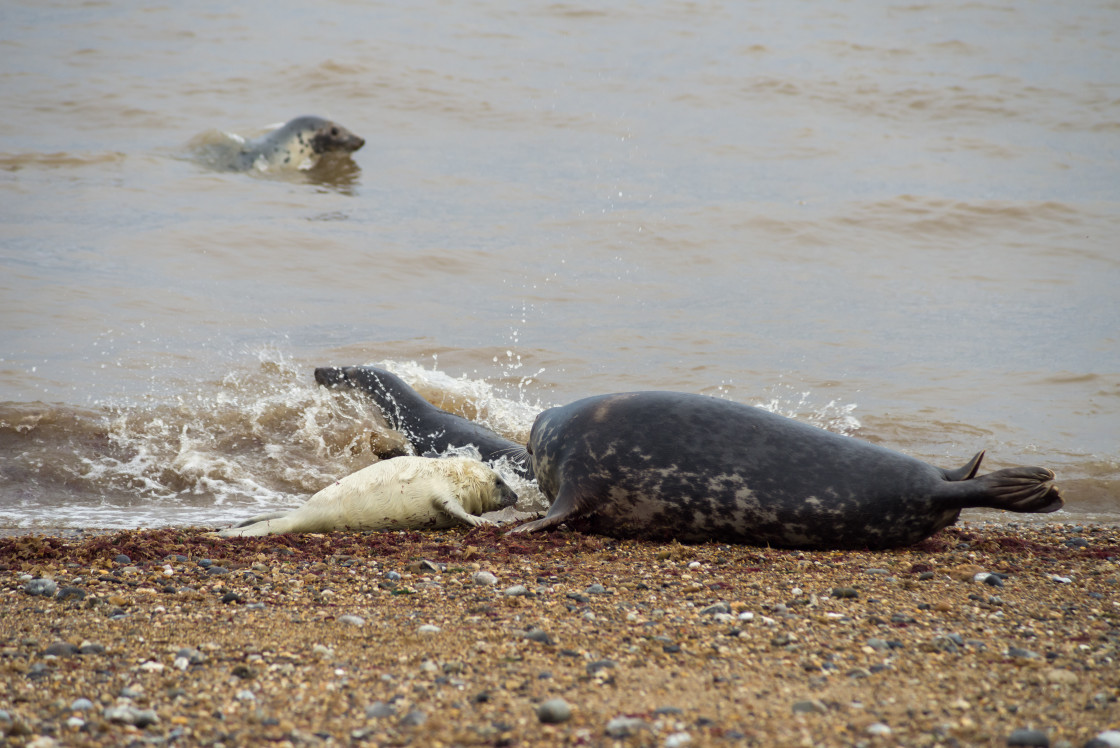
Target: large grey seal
[398, 494]
[429, 429]
[296, 145]
[695, 468]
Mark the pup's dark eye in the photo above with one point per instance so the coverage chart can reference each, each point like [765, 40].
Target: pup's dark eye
[334, 131]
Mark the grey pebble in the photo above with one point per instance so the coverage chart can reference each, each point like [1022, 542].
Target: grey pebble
[554, 711]
[80, 705]
[123, 559]
[539, 635]
[91, 648]
[352, 620]
[205, 563]
[624, 727]
[809, 706]
[217, 570]
[484, 578]
[845, 592]
[517, 590]
[380, 709]
[596, 589]
[711, 610]
[594, 667]
[62, 649]
[1020, 652]
[41, 587]
[130, 715]
[1028, 737]
[415, 718]
[192, 656]
[67, 593]
[1106, 739]
[392, 576]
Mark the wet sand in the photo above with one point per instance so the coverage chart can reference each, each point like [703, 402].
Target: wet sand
[404, 639]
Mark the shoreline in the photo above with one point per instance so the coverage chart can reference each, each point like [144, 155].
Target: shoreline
[458, 637]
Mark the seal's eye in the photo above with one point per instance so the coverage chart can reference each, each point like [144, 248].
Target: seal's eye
[334, 131]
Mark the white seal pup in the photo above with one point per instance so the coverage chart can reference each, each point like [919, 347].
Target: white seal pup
[404, 493]
[296, 145]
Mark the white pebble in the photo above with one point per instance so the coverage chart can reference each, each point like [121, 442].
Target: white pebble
[678, 739]
[352, 620]
[246, 695]
[428, 628]
[1111, 738]
[694, 565]
[484, 578]
[878, 729]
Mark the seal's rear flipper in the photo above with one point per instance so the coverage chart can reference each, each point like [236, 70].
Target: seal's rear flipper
[1022, 489]
[965, 472]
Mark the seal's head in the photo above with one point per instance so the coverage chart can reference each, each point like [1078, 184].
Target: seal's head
[478, 488]
[299, 143]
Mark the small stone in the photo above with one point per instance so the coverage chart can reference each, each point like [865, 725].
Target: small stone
[624, 727]
[1022, 653]
[352, 620]
[596, 589]
[878, 728]
[380, 710]
[1028, 737]
[205, 563]
[554, 711]
[484, 578]
[1060, 580]
[711, 610]
[595, 667]
[845, 592]
[517, 590]
[809, 706]
[246, 695]
[230, 597]
[91, 648]
[878, 645]
[539, 635]
[1106, 739]
[392, 576]
[428, 629]
[130, 715]
[192, 656]
[71, 593]
[61, 649]
[1062, 676]
[215, 570]
[415, 718]
[122, 559]
[41, 587]
[80, 705]
[678, 739]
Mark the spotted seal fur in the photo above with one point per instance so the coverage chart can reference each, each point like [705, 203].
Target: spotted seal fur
[664, 465]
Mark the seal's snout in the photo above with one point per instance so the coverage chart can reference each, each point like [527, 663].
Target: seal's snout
[508, 497]
[356, 143]
[330, 376]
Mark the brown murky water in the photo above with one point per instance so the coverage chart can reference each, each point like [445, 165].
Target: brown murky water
[900, 221]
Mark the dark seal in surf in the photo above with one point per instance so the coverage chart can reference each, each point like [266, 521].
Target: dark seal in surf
[664, 465]
[430, 430]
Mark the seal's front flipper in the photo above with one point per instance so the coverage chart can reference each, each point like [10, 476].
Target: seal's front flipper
[966, 471]
[1024, 489]
[449, 505]
[561, 510]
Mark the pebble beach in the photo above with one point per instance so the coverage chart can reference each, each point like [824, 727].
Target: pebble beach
[984, 635]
